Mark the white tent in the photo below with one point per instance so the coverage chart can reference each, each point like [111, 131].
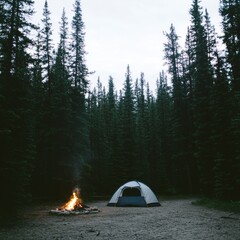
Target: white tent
[134, 193]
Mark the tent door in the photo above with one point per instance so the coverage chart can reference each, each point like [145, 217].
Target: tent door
[131, 201]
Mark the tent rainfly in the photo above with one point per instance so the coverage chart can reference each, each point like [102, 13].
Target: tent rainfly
[135, 194]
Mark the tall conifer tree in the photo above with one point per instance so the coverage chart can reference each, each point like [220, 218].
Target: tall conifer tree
[230, 12]
[127, 131]
[202, 98]
[78, 76]
[141, 131]
[221, 135]
[16, 135]
[47, 45]
[181, 157]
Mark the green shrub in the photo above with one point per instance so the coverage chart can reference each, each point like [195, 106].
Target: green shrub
[230, 206]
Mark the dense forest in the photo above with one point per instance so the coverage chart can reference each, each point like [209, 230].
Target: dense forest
[57, 133]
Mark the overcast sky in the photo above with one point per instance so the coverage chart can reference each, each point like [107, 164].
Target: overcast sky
[122, 32]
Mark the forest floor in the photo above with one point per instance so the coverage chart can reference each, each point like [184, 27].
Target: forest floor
[175, 219]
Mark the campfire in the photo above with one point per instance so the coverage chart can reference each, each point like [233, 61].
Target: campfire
[74, 206]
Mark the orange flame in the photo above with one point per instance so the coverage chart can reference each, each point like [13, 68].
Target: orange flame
[74, 202]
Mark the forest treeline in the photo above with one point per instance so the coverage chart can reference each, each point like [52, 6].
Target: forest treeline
[56, 133]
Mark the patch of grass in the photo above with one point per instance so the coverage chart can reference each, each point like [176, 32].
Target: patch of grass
[229, 206]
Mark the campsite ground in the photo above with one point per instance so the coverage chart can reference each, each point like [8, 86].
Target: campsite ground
[175, 219]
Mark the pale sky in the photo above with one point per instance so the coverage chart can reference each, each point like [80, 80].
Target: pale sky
[122, 32]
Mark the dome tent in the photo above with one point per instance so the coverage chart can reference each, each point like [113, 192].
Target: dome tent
[134, 193]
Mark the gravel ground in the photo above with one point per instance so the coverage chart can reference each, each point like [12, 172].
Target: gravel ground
[175, 219]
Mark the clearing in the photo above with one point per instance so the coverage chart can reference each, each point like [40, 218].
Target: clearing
[175, 219]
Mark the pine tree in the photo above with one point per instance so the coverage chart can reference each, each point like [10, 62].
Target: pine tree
[88, 175]
[78, 76]
[141, 134]
[127, 128]
[16, 134]
[160, 150]
[39, 94]
[202, 98]
[61, 117]
[182, 138]
[47, 46]
[111, 134]
[63, 47]
[211, 39]
[3, 29]
[78, 67]
[152, 167]
[230, 12]
[223, 164]
[99, 140]
[43, 81]
[61, 136]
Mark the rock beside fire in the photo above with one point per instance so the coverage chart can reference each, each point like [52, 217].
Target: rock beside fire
[85, 210]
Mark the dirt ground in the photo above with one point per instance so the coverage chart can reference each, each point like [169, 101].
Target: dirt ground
[175, 219]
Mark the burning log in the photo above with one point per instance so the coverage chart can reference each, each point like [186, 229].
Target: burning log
[74, 206]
